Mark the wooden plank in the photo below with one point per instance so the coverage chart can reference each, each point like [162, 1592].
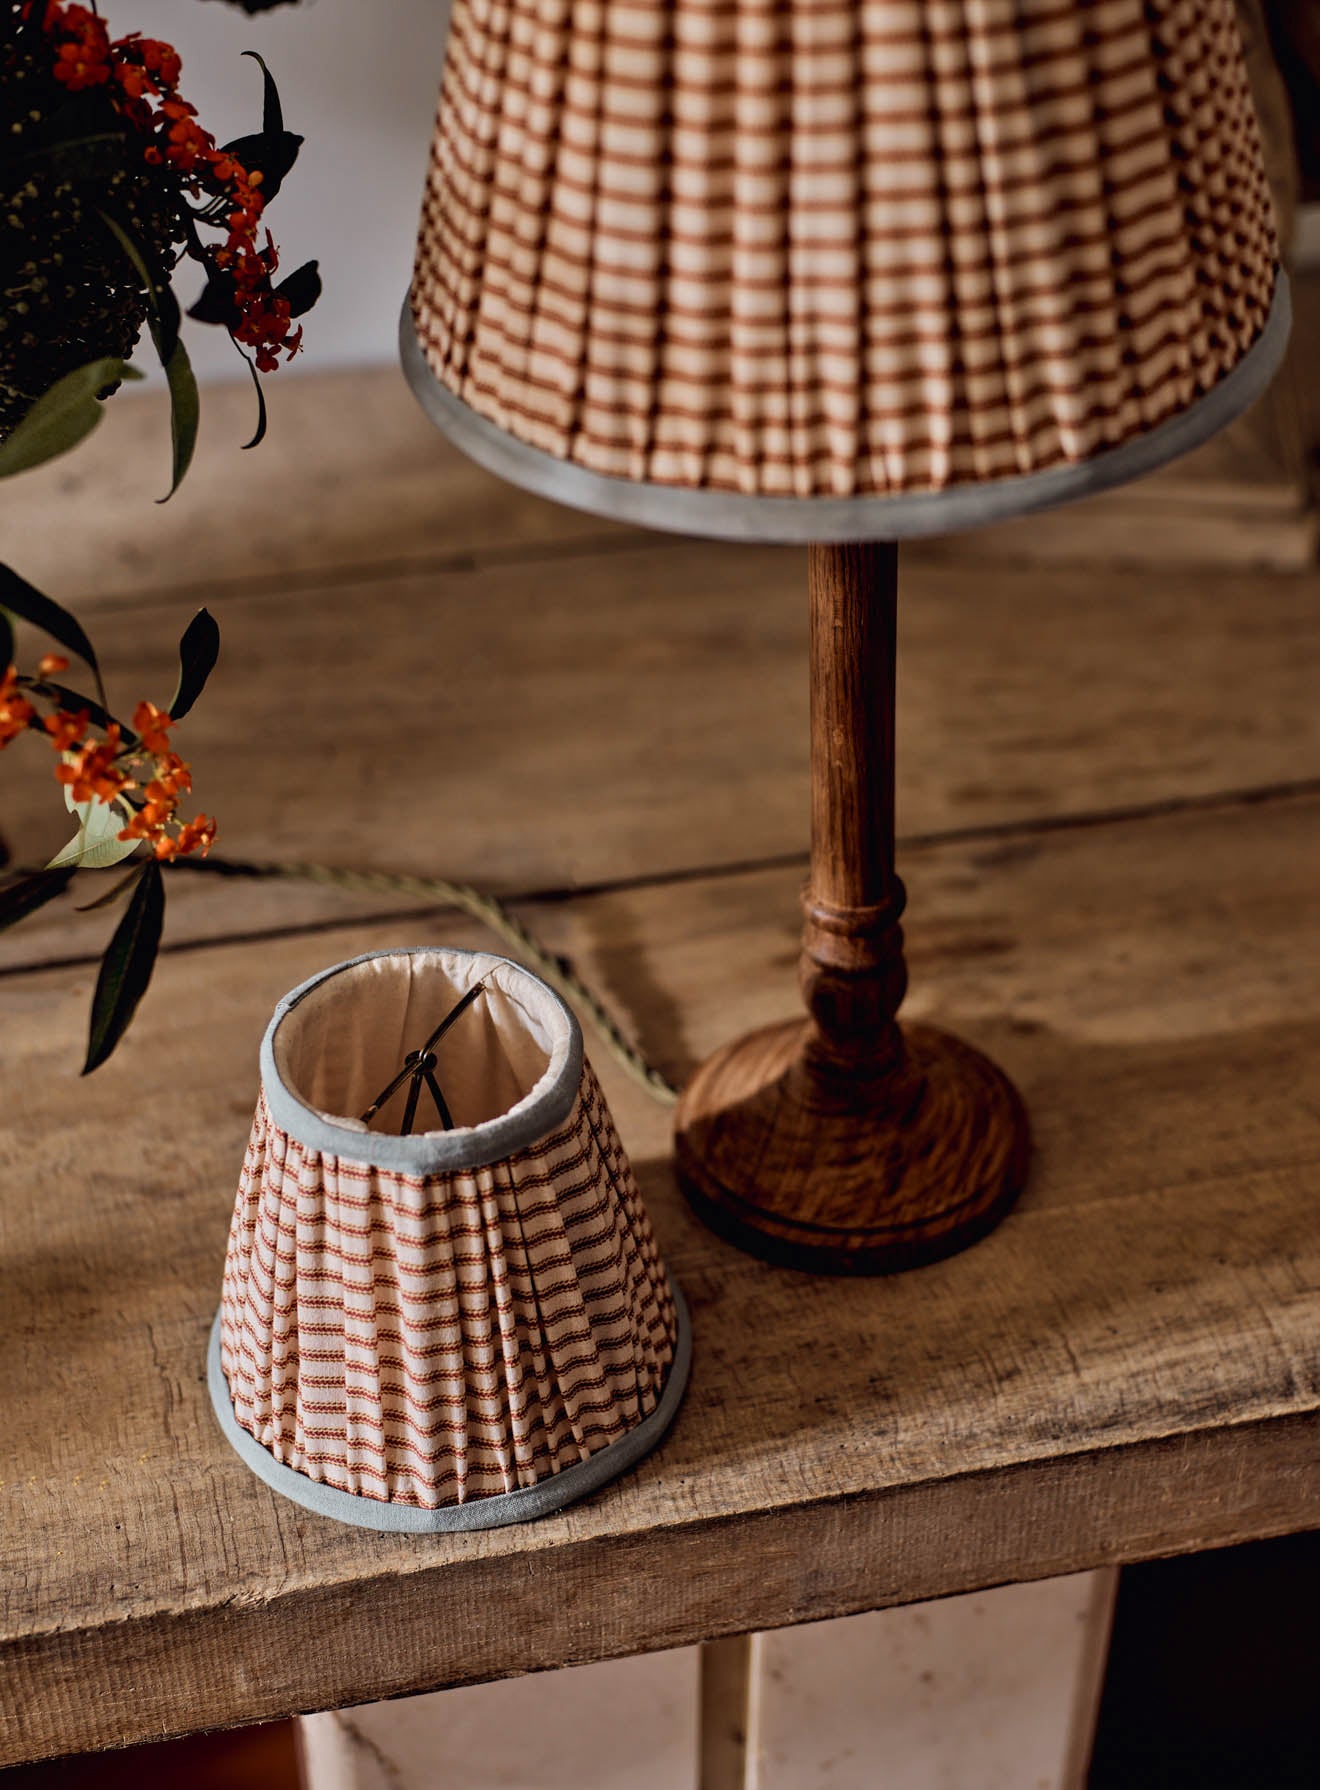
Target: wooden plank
[350, 475]
[1127, 1367]
[644, 713]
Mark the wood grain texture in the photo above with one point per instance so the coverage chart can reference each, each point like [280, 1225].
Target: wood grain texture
[845, 1144]
[643, 713]
[1128, 1367]
[351, 475]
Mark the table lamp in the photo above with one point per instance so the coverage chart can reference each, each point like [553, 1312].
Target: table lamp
[843, 272]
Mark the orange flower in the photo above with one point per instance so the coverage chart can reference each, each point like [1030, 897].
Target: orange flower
[152, 726]
[162, 59]
[79, 65]
[194, 835]
[66, 730]
[93, 773]
[16, 711]
[51, 664]
[173, 775]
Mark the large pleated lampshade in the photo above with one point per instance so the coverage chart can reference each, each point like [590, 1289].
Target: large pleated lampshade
[834, 269]
[843, 272]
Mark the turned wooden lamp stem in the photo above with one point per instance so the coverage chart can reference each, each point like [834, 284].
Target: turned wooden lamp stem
[847, 1143]
[853, 973]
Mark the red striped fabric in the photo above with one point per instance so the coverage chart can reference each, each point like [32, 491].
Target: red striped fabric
[428, 1340]
[840, 247]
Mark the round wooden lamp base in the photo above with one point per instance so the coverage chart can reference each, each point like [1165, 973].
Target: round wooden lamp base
[813, 1167]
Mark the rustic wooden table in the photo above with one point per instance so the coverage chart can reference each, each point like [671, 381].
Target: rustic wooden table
[1110, 815]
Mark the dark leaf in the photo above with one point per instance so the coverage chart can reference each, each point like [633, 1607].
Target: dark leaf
[126, 967]
[272, 113]
[270, 153]
[272, 150]
[167, 319]
[23, 600]
[302, 288]
[6, 642]
[99, 156]
[185, 411]
[198, 651]
[24, 897]
[216, 305]
[61, 417]
[113, 893]
[260, 435]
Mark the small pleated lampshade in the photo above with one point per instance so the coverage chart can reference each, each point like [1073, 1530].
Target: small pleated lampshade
[833, 269]
[454, 1329]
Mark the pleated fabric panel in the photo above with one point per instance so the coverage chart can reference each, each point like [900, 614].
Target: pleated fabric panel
[840, 247]
[428, 1340]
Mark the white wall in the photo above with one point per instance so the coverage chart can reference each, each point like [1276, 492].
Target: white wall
[359, 80]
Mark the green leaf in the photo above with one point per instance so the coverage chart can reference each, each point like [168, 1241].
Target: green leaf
[198, 651]
[126, 967]
[185, 410]
[165, 326]
[61, 417]
[23, 897]
[26, 602]
[97, 845]
[185, 403]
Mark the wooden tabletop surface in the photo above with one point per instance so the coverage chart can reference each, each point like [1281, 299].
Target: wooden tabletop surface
[1109, 803]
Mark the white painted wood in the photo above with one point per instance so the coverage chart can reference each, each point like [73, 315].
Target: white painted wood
[969, 1693]
[627, 1724]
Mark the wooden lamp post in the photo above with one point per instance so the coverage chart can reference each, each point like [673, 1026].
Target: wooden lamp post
[843, 272]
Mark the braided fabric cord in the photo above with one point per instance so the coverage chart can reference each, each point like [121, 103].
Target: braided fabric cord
[492, 913]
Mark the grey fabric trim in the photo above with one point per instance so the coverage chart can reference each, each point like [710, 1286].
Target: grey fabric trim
[521, 1506]
[726, 515]
[548, 1104]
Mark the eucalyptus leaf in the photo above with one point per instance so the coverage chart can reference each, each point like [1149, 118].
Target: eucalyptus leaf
[198, 651]
[61, 417]
[23, 897]
[29, 604]
[97, 845]
[126, 967]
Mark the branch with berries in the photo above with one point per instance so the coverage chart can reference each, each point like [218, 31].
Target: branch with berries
[125, 786]
[110, 182]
